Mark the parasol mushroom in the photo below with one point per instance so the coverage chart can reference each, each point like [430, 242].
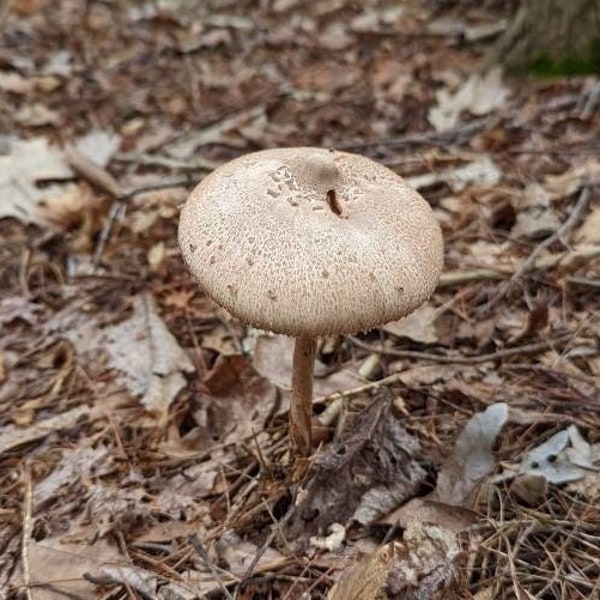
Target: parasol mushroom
[310, 242]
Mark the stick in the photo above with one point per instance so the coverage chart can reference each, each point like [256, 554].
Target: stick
[199, 548]
[92, 172]
[530, 261]
[26, 534]
[463, 360]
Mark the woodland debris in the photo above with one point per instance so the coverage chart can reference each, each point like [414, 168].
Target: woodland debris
[369, 472]
[472, 456]
[419, 567]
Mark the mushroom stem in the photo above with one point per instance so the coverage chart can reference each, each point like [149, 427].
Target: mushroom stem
[301, 402]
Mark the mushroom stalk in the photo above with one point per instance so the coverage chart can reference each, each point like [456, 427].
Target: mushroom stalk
[301, 401]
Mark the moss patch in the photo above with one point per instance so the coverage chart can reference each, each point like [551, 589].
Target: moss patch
[570, 64]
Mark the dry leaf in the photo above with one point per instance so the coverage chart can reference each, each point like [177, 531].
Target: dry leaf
[148, 356]
[28, 163]
[74, 465]
[12, 436]
[418, 326]
[482, 172]
[423, 510]
[273, 358]
[536, 217]
[479, 95]
[418, 567]
[61, 566]
[589, 232]
[238, 403]
[369, 473]
[565, 457]
[472, 456]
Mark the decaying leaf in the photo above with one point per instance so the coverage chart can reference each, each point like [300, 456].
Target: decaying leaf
[12, 436]
[536, 217]
[273, 359]
[482, 172]
[472, 457]
[238, 400]
[479, 95]
[369, 473]
[565, 457]
[136, 578]
[418, 326]
[420, 567]
[239, 555]
[589, 232]
[147, 357]
[28, 163]
[74, 465]
[57, 568]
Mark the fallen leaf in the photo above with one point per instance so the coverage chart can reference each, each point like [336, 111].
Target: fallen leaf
[239, 555]
[423, 510]
[416, 568]
[472, 457]
[99, 146]
[565, 457]
[371, 471]
[273, 356]
[28, 163]
[37, 115]
[479, 95]
[536, 217]
[238, 401]
[57, 568]
[589, 232]
[18, 307]
[12, 436]
[148, 356]
[531, 488]
[74, 465]
[136, 578]
[572, 180]
[419, 326]
[482, 172]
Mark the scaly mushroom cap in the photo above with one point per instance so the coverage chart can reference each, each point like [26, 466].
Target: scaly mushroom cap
[311, 242]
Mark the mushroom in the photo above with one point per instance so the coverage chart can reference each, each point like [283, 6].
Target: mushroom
[310, 242]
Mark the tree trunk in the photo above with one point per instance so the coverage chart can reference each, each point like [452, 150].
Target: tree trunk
[553, 36]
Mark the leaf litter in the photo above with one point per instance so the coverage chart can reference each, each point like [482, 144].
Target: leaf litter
[136, 420]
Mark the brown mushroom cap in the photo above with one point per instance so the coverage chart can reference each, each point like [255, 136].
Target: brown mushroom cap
[311, 242]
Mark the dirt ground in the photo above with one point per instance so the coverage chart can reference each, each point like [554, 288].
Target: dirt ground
[143, 430]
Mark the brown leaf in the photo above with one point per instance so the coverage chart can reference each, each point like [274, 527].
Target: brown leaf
[239, 401]
[61, 566]
[472, 457]
[418, 567]
[370, 472]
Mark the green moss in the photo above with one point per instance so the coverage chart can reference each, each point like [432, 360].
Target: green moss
[569, 64]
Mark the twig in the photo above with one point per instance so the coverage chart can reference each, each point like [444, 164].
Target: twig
[276, 529]
[118, 208]
[528, 264]
[152, 160]
[91, 171]
[26, 533]
[575, 255]
[591, 102]
[199, 548]
[173, 183]
[458, 134]
[463, 360]
[116, 212]
[560, 233]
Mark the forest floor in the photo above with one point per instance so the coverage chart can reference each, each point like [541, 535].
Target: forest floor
[143, 431]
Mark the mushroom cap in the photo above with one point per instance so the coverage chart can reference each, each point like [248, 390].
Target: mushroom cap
[311, 242]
